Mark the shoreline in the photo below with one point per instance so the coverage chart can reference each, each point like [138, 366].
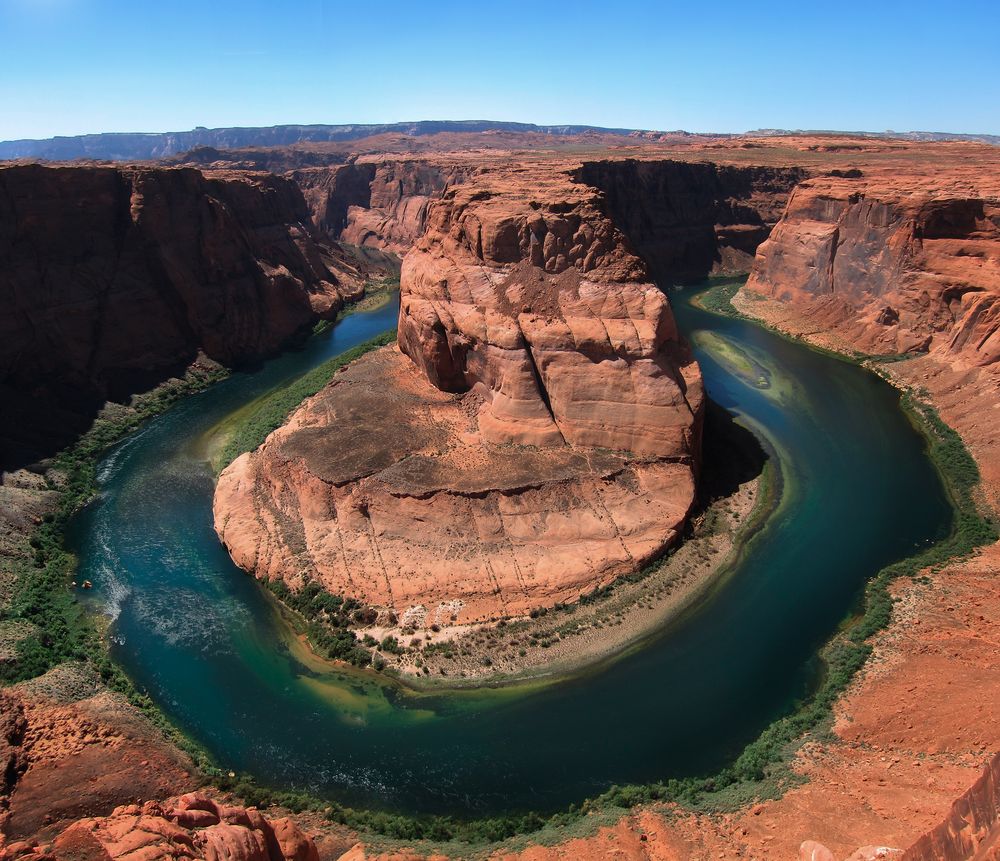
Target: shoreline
[372, 821]
[634, 611]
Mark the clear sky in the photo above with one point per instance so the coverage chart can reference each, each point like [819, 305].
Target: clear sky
[77, 66]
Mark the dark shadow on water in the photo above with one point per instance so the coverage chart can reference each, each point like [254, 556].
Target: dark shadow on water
[731, 455]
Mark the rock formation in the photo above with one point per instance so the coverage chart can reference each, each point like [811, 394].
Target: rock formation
[113, 279]
[690, 220]
[380, 202]
[539, 442]
[892, 263]
[192, 826]
[972, 827]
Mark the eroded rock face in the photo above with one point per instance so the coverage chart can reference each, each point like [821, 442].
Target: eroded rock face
[192, 826]
[113, 279]
[539, 441]
[971, 831]
[690, 220]
[381, 203]
[543, 308]
[381, 488]
[892, 264]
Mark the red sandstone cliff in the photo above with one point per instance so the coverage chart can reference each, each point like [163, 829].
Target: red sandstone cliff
[114, 278]
[381, 203]
[690, 220]
[893, 263]
[192, 827]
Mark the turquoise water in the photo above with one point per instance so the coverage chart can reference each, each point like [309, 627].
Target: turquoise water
[204, 640]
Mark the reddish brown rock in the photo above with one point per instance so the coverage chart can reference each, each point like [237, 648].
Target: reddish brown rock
[690, 220]
[541, 444]
[74, 757]
[113, 279]
[168, 831]
[893, 263]
[972, 827]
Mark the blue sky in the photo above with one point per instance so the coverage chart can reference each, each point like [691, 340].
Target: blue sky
[77, 66]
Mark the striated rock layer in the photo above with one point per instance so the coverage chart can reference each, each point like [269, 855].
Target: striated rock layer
[689, 220]
[972, 827]
[192, 827]
[894, 263]
[539, 441]
[377, 203]
[113, 279]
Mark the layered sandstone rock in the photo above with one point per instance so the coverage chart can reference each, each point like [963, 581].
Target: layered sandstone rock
[541, 305]
[381, 203]
[539, 442]
[192, 826]
[113, 279]
[892, 263]
[690, 220]
[972, 828]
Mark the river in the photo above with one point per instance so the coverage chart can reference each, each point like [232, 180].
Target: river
[207, 644]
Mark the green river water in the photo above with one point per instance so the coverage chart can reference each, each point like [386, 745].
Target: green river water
[205, 641]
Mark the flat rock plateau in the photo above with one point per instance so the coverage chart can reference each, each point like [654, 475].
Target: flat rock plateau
[538, 391]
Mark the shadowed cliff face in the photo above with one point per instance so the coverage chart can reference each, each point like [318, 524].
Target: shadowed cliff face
[690, 220]
[544, 399]
[376, 204]
[113, 279]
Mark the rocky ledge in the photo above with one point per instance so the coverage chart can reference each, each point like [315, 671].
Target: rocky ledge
[191, 827]
[536, 437]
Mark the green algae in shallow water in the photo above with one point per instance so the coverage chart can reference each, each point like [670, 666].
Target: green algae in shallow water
[739, 362]
[194, 632]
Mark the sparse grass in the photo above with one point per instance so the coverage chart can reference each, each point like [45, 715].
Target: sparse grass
[273, 409]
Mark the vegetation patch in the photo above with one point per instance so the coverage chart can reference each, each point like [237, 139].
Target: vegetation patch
[326, 620]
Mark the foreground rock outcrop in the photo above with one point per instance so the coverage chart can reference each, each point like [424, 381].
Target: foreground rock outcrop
[192, 826]
[113, 279]
[70, 749]
[539, 442]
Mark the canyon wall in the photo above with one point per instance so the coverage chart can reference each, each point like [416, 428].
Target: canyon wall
[689, 220]
[891, 263]
[381, 203]
[535, 435]
[113, 279]
[971, 831]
